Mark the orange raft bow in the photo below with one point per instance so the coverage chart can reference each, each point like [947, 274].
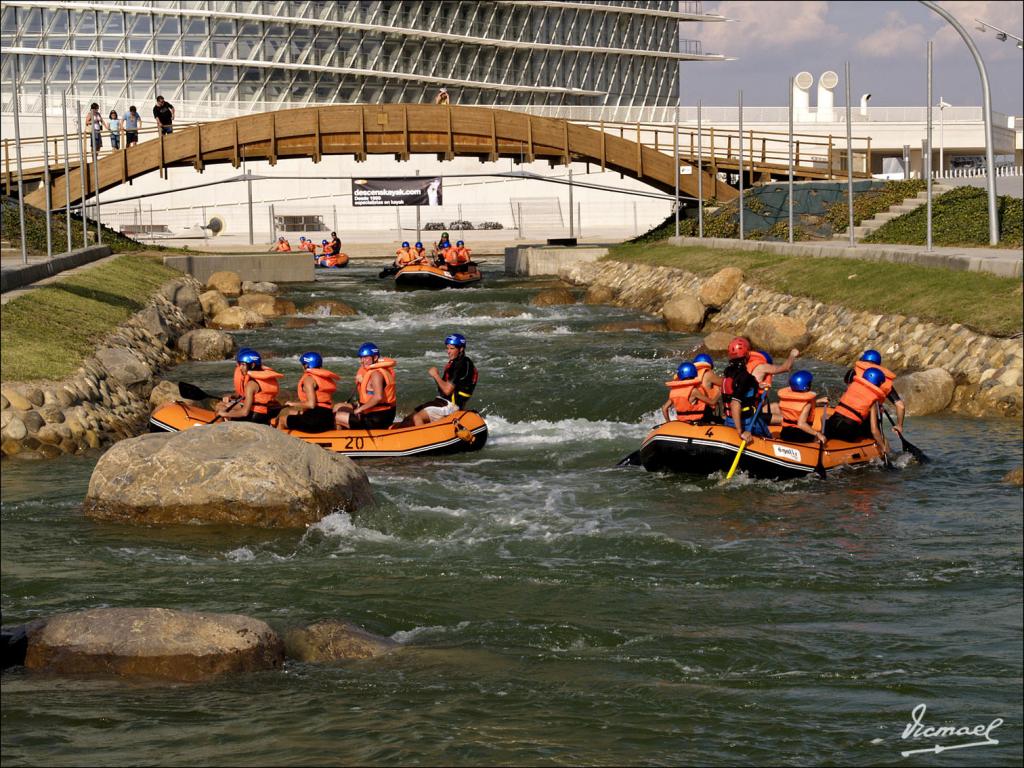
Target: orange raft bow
[429, 276]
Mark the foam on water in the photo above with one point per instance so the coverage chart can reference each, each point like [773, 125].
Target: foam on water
[340, 525]
[502, 432]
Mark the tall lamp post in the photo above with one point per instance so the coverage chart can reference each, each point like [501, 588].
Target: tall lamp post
[942, 144]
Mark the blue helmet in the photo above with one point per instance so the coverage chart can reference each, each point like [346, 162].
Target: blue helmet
[459, 242]
[405, 244]
[243, 351]
[369, 349]
[704, 358]
[875, 376]
[767, 357]
[455, 340]
[312, 360]
[249, 357]
[801, 381]
[419, 245]
[872, 356]
[686, 371]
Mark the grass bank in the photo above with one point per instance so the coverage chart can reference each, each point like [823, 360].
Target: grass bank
[47, 332]
[35, 231]
[978, 300]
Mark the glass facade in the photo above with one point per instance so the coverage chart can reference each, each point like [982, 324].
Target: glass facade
[250, 55]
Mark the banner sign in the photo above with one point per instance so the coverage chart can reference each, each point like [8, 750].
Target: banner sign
[397, 190]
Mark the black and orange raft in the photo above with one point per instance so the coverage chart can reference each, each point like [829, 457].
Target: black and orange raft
[462, 431]
[701, 449]
[429, 276]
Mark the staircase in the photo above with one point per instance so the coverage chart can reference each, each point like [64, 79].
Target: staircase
[868, 226]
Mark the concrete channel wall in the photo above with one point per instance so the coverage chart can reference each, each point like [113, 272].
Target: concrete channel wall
[291, 267]
[531, 260]
[20, 276]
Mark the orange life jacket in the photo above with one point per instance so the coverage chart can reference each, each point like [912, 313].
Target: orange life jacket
[390, 398]
[421, 253]
[285, 246]
[310, 246]
[325, 382]
[327, 250]
[792, 405]
[755, 359]
[240, 380]
[711, 391]
[269, 385]
[405, 257]
[856, 402]
[679, 393]
[861, 366]
[330, 260]
[451, 256]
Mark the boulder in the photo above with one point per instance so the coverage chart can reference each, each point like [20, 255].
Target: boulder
[214, 302]
[206, 344]
[599, 294]
[683, 312]
[717, 341]
[551, 297]
[124, 366]
[777, 333]
[334, 641]
[228, 283]
[150, 319]
[263, 304]
[720, 287]
[236, 318]
[158, 643]
[926, 392]
[1015, 477]
[284, 307]
[631, 325]
[184, 297]
[325, 307]
[262, 286]
[16, 398]
[299, 322]
[13, 429]
[166, 392]
[236, 473]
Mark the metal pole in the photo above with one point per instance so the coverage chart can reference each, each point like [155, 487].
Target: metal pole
[96, 185]
[46, 165]
[572, 207]
[462, 226]
[248, 184]
[700, 174]
[83, 168]
[17, 151]
[334, 209]
[741, 162]
[790, 196]
[675, 155]
[986, 104]
[419, 237]
[519, 218]
[906, 162]
[273, 225]
[942, 138]
[205, 222]
[928, 150]
[579, 219]
[67, 170]
[849, 158]
[636, 225]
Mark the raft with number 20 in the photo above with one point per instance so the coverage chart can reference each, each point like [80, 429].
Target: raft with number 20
[461, 432]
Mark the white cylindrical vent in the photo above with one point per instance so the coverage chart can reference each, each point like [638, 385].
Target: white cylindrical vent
[864, 104]
[826, 99]
[802, 97]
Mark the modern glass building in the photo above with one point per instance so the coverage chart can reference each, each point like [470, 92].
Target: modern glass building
[617, 59]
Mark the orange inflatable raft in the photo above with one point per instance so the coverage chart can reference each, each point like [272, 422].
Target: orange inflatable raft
[429, 276]
[462, 431]
[701, 449]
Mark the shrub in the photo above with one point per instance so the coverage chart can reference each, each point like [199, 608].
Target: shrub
[867, 205]
[435, 226]
[460, 225]
[490, 225]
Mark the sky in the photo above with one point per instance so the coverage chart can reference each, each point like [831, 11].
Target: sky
[885, 43]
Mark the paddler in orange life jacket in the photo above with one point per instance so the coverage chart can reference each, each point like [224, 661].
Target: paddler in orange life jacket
[761, 366]
[441, 248]
[421, 253]
[686, 394]
[872, 358]
[798, 407]
[259, 387]
[711, 386]
[858, 406]
[454, 386]
[406, 256]
[457, 257]
[377, 391]
[740, 393]
[312, 412]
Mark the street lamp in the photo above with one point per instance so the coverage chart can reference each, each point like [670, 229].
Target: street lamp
[942, 106]
[1001, 34]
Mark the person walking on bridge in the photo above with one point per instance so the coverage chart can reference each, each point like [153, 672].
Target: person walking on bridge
[96, 124]
[164, 114]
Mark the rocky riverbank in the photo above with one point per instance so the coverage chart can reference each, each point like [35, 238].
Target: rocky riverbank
[984, 374]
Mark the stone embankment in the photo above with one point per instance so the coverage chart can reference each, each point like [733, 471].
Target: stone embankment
[967, 372]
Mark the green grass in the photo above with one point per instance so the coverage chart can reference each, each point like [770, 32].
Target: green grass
[47, 332]
[959, 217]
[978, 300]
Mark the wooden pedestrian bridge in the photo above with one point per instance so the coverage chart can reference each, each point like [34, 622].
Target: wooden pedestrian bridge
[642, 151]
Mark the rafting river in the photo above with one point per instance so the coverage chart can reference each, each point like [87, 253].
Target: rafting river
[557, 610]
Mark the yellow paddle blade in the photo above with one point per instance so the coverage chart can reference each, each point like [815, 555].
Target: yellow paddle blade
[735, 462]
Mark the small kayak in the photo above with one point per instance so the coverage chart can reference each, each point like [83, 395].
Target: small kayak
[462, 431]
[429, 276]
[701, 449]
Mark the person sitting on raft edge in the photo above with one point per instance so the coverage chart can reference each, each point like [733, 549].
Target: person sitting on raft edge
[258, 386]
[873, 359]
[377, 391]
[797, 404]
[740, 393]
[687, 395]
[406, 256]
[454, 387]
[761, 366]
[859, 404]
[312, 412]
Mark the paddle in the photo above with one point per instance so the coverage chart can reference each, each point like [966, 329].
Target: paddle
[192, 392]
[906, 445]
[388, 272]
[819, 468]
[633, 460]
[743, 444]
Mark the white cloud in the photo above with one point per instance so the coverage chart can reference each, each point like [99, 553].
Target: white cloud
[763, 26]
[893, 38]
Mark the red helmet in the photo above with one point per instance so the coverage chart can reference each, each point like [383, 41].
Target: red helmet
[738, 347]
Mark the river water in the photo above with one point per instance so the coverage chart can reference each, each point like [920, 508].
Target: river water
[556, 610]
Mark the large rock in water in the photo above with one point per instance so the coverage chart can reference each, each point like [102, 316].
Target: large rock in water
[551, 297]
[206, 344]
[717, 341]
[182, 295]
[228, 283]
[599, 294]
[926, 392]
[154, 643]
[683, 312]
[325, 307]
[236, 318]
[213, 302]
[236, 473]
[262, 304]
[262, 286]
[335, 641]
[777, 333]
[720, 287]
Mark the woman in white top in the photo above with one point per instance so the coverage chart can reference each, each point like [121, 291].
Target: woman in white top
[115, 130]
[95, 123]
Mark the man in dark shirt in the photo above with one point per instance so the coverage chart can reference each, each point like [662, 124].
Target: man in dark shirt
[164, 114]
[739, 393]
[454, 386]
